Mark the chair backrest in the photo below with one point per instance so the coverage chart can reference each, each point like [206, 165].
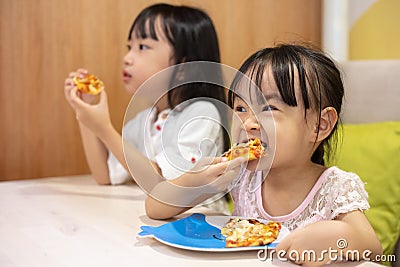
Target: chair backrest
[372, 91]
[371, 146]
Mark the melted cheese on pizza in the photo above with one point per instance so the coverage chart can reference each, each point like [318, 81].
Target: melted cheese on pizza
[253, 149]
[89, 84]
[242, 232]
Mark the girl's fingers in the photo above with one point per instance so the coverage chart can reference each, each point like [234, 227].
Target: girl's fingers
[82, 71]
[67, 89]
[224, 180]
[72, 74]
[75, 100]
[70, 89]
[103, 96]
[79, 72]
[217, 160]
[207, 162]
[283, 244]
[228, 165]
[72, 95]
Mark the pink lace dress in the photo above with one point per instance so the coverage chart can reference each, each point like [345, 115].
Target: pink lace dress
[334, 193]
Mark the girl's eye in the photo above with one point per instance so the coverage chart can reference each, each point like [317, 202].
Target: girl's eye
[143, 47]
[129, 47]
[240, 109]
[269, 108]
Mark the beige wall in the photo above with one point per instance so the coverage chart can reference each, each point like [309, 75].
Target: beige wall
[42, 40]
[375, 33]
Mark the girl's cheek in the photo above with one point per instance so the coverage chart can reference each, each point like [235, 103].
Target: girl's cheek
[235, 129]
[130, 89]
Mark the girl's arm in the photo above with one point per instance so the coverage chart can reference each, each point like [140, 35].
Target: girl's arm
[96, 155]
[206, 179]
[97, 131]
[350, 235]
[100, 134]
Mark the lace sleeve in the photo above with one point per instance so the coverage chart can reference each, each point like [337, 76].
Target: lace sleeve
[346, 194]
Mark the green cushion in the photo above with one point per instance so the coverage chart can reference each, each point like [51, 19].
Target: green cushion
[373, 152]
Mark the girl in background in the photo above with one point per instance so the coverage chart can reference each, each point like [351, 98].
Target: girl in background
[161, 36]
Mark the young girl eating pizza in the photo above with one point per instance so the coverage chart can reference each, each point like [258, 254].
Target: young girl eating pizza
[161, 36]
[293, 107]
[320, 205]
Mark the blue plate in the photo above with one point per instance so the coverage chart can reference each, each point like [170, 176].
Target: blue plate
[198, 232]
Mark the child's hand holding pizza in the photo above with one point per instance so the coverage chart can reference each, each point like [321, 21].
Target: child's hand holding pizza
[88, 85]
[208, 178]
[81, 89]
[213, 174]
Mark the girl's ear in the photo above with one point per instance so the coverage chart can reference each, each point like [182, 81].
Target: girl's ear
[328, 120]
[180, 74]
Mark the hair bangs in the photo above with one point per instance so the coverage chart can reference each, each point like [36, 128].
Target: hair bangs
[146, 23]
[256, 74]
[250, 76]
[146, 28]
[283, 67]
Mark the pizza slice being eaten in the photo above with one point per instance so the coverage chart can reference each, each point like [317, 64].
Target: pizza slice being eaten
[251, 150]
[249, 232]
[89, 84]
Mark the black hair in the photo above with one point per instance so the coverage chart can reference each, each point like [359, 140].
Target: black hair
[319, 79]
[191, 33]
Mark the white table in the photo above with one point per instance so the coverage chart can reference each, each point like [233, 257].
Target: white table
[72, 221]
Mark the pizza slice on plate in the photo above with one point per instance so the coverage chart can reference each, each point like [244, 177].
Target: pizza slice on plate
[251, 150]
[249, 232]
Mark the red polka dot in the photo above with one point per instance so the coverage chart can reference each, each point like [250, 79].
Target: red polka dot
[193, 160]
[158, 127]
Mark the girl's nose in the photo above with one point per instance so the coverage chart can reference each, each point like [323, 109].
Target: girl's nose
[128, 59]
[251, 124]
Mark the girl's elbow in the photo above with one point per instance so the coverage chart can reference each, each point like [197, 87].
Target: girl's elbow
[103, 182]
[378, 249]
[154, 215]
[150, 212]
[154, 212]
[101, 179]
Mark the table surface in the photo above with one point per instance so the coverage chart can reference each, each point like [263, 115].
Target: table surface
[72, 221]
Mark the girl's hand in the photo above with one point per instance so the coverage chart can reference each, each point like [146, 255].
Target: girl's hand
[327, 241]
[212, 174]
[208, 178]
[95, 117]
[69, 85]
[303, 240]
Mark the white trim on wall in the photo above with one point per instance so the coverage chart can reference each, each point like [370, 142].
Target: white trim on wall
[335, 29]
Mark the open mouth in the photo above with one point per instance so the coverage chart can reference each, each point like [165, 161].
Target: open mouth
[126, 75]
[264, 145]
[245, 141]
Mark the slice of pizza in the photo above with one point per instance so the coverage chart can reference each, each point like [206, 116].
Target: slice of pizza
[251, 150]
[249, 232]
[89, 84]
